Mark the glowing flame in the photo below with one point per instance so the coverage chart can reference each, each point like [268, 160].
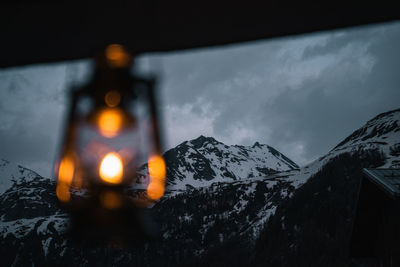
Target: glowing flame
[111, 168]
[157, 171]
[110, 122]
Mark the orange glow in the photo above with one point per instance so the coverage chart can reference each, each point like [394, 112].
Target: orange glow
[66, 170]
[157, 168]
[117, 56]
[62, 192]
[111, 168]
[155, 190]
[157, 171]
[112, 99]
[111, 200]
[78, 181]
[110, 122]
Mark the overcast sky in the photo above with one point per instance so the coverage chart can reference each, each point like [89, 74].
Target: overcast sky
[302, 95]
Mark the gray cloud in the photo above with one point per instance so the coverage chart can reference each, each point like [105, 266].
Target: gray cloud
[301, 95]
[32, 106]
[326, 108]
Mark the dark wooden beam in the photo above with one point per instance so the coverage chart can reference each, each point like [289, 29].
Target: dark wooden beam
[49, 31]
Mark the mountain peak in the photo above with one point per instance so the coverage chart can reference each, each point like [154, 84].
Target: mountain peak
[201, 140]
[386, 114]
[256, 144]
[11, 173]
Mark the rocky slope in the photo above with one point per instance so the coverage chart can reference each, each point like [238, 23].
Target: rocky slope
[314, 226]
[33, 226]
[216, 191]
[381, 132]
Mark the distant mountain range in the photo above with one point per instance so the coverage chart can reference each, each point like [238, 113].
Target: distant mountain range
[220, 199]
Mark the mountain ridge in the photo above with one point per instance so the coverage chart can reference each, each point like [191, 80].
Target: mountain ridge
[15, 173]
[203, 160]
[382, 131]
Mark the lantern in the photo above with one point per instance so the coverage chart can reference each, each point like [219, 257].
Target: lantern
[111, 134]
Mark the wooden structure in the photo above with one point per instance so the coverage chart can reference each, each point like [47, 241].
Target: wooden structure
[49, 31]
[376, 231]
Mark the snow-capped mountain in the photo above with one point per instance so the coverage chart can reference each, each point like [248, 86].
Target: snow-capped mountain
[203, 161]
[313, 228]
[12, 174]
[234, 191]
[33, 226]
[381, 132]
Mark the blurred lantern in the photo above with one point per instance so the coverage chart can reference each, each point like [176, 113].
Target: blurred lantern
[111, 132]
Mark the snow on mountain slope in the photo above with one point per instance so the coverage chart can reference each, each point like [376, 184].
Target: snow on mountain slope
[215, 208]
[203, 161]
[33, 225]
[11, 173]
[380, 133]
